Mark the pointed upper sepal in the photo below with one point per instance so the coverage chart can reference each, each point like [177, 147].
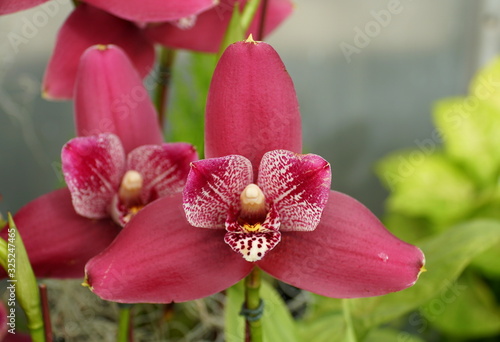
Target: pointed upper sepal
[87, 26]
[153, 10]
[110, 97]
[251, 107]
[350, 254]
[93, 167]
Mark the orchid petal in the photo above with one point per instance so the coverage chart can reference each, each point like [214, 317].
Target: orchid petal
[153, 10]
[213, 189]
[110, 97]
[164, 168]
[350, 254]
[59, 241]
[210, 26]
[12, 6]
[252, 107]
[159, 258]
[87, 26]
[93, 167]
[298, 185]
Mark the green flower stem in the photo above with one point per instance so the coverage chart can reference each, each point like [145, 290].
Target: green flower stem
[252, 302]
[165, 61]
[124, 329]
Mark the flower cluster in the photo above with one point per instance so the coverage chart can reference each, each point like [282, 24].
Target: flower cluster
[184, 228]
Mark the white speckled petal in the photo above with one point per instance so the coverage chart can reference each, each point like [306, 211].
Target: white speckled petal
[93, 167]
[213, 189]
[164, 168]
[298, 185]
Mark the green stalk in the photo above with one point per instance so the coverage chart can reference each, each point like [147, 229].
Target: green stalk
[124, 323]
[160, 96]
[253, 302]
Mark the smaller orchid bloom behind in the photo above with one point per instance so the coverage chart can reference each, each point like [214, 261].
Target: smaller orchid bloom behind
[104, 182]
[290, 194]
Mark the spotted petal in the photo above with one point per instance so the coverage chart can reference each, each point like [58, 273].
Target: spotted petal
[350, 254]
[298, 185]
[164, 168]
[93, 167]
[213, 189]
[87, 26]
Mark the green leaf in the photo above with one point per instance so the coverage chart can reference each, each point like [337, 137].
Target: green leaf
[22, 283]
[465, 310]
[487, 262]
[485, 85]
[391, 335]
[427, 185]
[278, 324]
[191, 80]
[470, 129]
[447, 254]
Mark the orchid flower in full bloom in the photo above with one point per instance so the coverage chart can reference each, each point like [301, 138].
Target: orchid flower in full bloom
[255, 202]
[116, 166]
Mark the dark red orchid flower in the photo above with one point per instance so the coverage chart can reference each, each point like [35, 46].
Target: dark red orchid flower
[255, 202]
[115, 168]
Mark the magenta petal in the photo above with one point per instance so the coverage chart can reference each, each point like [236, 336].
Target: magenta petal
[160, 258]
[11, 6]
[350, 254]
[213, 189]
[208, 31]
[153, 10]
[87, 26]
[298, 185]
[58, 240]
[164, 168]
[251, 106]
[93, 168]
[110, 97]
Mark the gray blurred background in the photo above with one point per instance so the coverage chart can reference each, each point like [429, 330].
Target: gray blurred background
[360, 98]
